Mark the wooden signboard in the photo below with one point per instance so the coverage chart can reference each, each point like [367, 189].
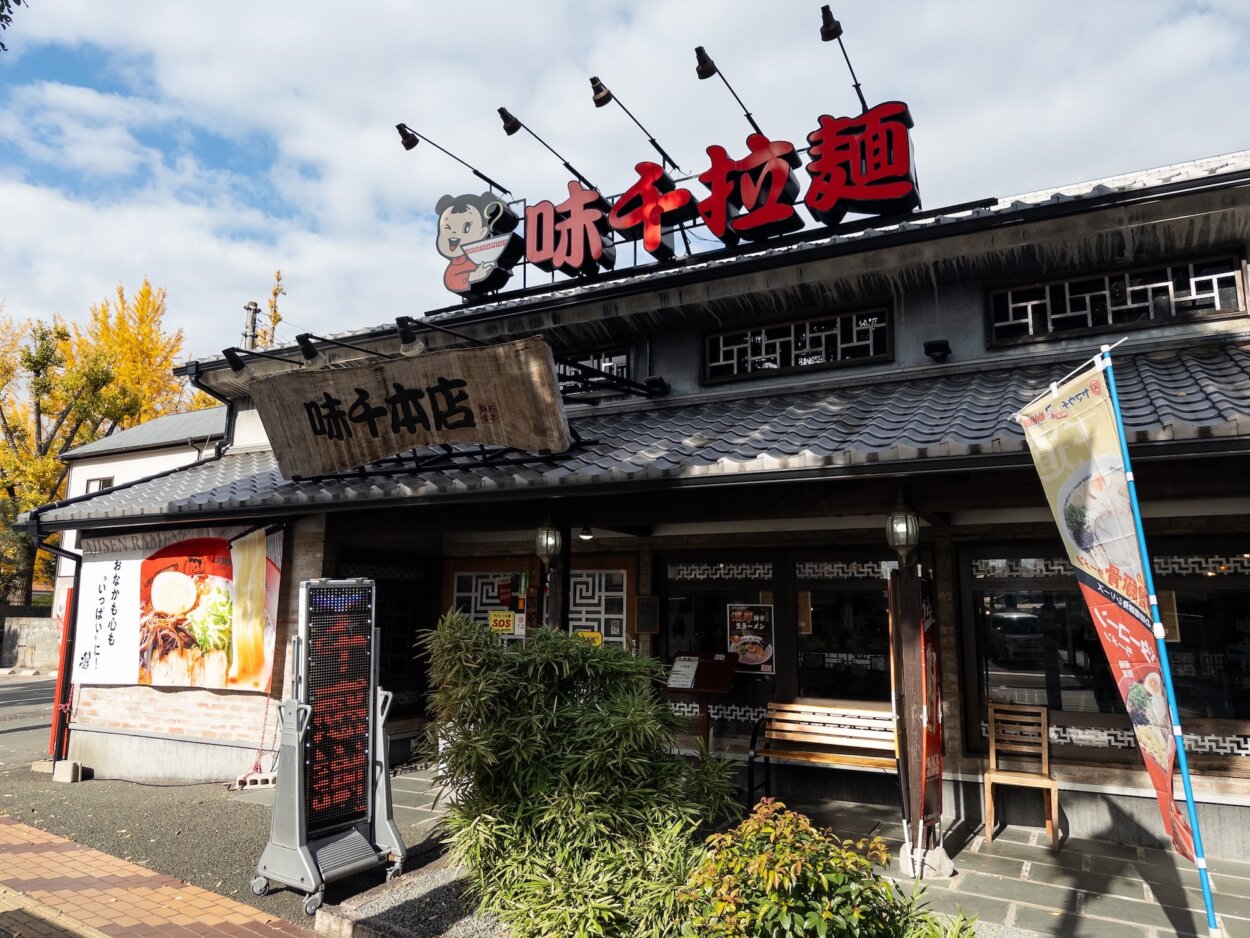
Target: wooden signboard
[331, 419]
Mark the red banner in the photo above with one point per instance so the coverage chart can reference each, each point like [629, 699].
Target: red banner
[1075, 441]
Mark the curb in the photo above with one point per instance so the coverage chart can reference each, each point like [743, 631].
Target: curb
[344, 921]
[15, 905]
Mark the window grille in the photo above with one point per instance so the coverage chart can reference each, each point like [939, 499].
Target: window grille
[1162, 293]
[614, 361]
[801, 345]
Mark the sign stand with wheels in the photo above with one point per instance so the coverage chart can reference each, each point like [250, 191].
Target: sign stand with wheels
[332, 813]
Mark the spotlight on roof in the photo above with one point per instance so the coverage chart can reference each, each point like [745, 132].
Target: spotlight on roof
[706, 68]
[938, 349]
[602, 96]
[510, 124]
[830, 29]
[234, 361]
[407, 137]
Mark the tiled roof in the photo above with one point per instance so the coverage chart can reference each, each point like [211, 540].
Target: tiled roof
[195, 426]
[1202, 391]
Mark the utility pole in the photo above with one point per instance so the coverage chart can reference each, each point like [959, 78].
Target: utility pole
[249, 324]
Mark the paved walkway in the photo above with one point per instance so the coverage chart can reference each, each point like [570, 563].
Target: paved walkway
[1018, 886]
[50, 886]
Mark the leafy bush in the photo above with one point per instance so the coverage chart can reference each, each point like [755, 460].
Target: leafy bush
[776, 875]
[569, 808]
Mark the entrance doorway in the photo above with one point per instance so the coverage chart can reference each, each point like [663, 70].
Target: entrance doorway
[406, 607]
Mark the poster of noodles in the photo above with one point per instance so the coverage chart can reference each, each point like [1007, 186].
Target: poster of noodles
[1075, 443]
[180, 609]
[751, 636]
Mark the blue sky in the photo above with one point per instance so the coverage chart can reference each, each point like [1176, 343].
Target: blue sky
[206, 145]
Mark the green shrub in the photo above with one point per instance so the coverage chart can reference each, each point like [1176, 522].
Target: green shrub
[569, 808]
[776, 875]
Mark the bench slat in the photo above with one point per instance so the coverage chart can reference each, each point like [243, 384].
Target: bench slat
[775, 726]
[829, 758]
[870, 740]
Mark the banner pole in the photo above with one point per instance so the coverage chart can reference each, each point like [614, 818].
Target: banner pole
[1200, 859]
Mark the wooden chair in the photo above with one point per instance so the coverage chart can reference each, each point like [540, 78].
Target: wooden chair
[1022, 734]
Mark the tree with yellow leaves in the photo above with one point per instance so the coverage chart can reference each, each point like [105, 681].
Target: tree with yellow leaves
[62, 386]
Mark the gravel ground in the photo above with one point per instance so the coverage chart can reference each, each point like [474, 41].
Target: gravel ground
[427, 903]
[198, 833]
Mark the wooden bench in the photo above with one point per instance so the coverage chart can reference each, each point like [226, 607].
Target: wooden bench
[855, 734]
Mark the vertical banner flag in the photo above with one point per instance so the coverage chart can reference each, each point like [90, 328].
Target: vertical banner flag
[1074, 437]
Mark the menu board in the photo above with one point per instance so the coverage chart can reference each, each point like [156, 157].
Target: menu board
[751, 636]
[338, 637]
[682, 674]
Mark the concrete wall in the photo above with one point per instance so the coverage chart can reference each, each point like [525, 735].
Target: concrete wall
[31, 638]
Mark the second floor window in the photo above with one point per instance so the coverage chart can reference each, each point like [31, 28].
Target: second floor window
[801, 345]
[1149, 296]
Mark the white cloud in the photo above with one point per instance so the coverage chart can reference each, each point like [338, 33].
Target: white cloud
[1007, 97]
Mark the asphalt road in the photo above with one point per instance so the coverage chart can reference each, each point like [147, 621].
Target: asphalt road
[25, 718]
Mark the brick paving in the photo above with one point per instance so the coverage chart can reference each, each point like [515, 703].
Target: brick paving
[50, 886]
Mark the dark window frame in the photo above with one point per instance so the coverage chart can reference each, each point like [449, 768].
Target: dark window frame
[997, 288]
[884, 309]
[974, 710]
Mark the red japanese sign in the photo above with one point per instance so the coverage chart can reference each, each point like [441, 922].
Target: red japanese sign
[857, 164]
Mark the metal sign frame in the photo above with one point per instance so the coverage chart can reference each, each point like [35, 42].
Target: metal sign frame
[307, 859]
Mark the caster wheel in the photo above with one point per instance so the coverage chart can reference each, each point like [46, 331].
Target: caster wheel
[260, 886]
[393, 871]
[312, 904]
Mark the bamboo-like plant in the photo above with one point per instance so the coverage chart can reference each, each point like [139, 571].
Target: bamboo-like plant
[570, 808]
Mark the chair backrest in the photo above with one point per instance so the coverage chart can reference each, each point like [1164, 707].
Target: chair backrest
[1020, 730]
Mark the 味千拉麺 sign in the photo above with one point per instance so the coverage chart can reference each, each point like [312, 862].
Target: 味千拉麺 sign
[332, 419]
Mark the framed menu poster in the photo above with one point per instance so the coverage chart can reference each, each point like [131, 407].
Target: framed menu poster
[751, 636]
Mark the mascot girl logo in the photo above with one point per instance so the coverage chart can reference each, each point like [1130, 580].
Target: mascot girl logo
[476, 235]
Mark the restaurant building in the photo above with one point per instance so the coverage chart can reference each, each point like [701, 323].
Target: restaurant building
[752, 416]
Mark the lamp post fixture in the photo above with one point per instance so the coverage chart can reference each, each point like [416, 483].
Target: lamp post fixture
[547, 542]
[902, 529]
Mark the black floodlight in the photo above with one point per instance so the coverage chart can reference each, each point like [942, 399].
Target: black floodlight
[831, 29]
[234, 361]
[306, 347]
[706, 68]
[410, 138]
[603, 97]
[407, 136]
[938, 349]
[511, 125]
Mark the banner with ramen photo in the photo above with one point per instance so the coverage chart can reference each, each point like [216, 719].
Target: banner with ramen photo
[181, 611]
[1074, 438]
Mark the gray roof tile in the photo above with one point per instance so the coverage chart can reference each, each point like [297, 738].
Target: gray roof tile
[196, 426]
[1199, 391]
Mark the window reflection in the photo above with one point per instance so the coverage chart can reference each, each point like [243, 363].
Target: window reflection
[847, 653]
[1037, 645]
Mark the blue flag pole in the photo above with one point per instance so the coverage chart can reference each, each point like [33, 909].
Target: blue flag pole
[1182, 761]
